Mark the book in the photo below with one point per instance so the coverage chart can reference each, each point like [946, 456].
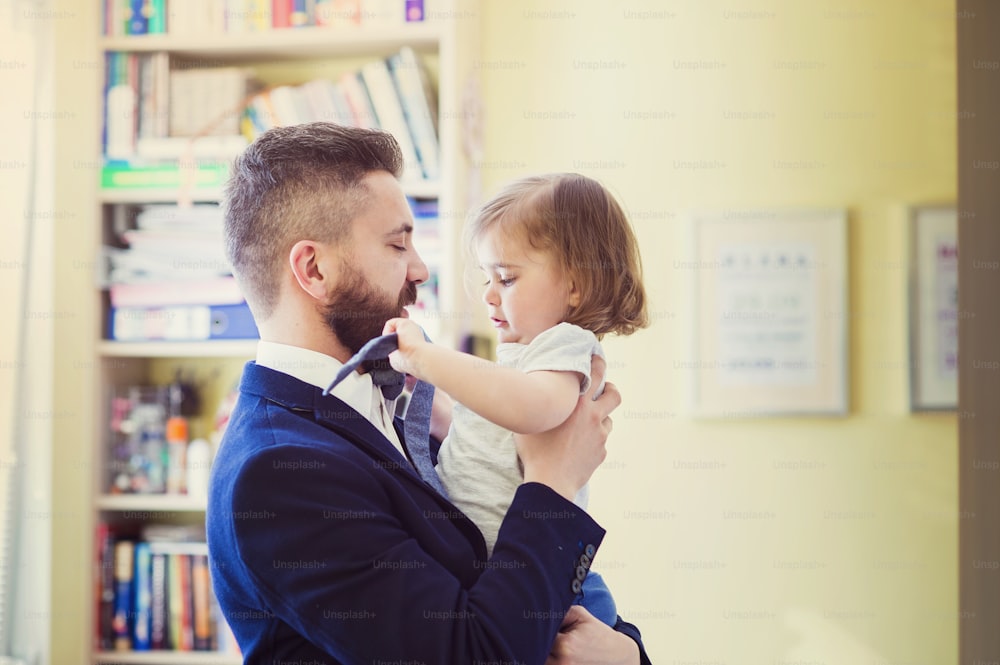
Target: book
[122, 618]
[419, 105]
[201, 589]
[121, 106]
[338, 13]
[143, 593]
[182, 323]
[414, 10]
[219, 147]
[358, 101]
[105, 587]
[281, 13]
[138, 18]
[159, 634]
[157, 16]
[303, 13]
[389, 113]
[288, 106]
[208, 100]
[126, 175]
[221, 290]
[176, 563]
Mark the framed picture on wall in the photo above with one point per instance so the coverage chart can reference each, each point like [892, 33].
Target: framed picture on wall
[770, 313]
[933, 308]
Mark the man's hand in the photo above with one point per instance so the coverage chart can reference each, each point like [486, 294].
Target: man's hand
[583, 640]
[410, 338]
[565, 457]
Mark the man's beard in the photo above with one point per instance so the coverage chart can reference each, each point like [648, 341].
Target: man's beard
[356, 312]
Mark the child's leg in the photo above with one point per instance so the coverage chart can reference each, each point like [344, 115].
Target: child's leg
[596, 599]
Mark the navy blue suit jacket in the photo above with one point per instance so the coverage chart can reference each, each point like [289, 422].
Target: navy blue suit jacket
[326, 546]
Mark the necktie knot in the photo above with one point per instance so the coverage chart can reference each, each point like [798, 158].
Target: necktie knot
[374, 356]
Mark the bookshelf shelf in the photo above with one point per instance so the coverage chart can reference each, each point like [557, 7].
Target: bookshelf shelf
[287, 43]
[243, 348]
[165, 658]
[150, 503]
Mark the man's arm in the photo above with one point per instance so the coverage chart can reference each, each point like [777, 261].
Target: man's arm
[522, 402]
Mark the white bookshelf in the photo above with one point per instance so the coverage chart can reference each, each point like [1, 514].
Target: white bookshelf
[451, 46]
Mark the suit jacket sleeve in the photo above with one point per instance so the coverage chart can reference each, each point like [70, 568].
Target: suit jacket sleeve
[343, 557]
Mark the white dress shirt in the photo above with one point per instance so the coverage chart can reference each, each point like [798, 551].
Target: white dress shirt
[318, 369]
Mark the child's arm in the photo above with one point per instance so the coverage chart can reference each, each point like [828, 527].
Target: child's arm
[523, 402]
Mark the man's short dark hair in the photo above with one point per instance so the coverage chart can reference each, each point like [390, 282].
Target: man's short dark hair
[297, 183]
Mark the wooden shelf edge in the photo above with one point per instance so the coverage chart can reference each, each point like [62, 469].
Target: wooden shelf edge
[240, 348]
[421, 189]
[156, 195]
[286, 42]
[160, 657]
[148, 503]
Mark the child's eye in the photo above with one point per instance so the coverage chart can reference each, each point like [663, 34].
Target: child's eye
[507, 282]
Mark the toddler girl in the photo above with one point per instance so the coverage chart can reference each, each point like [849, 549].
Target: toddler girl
[562, 269]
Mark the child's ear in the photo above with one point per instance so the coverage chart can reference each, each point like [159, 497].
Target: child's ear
[574, 294]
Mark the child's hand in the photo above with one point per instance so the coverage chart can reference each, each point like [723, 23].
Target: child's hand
[411, 338]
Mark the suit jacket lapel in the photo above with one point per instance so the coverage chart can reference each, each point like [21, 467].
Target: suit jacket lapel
[336, 416]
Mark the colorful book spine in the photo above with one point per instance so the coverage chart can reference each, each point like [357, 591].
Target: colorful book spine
[182, 323]
[143, 598]
[281, 13]
[105, 587]
[138, 19]
[124, 175]
[418, 104]
[175, 596]
[201, 605]
[414, 10]
[208, 291]
[157, 16]
[124, 571]
[159, 634]
[303, 13]
[378, 82]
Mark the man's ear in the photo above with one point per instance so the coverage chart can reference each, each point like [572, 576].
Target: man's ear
[304, 260]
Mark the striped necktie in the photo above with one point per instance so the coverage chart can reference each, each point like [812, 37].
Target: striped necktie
[417, 424]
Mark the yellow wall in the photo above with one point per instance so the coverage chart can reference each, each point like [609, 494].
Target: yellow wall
[845, 547]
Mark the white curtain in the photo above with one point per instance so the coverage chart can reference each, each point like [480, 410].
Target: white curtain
[26, 282]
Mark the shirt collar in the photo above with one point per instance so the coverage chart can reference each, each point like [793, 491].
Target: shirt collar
[318, 369]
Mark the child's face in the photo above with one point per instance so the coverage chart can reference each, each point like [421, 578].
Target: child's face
[526, 291]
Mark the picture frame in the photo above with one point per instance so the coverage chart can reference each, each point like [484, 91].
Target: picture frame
[770, 313]
[933, 308]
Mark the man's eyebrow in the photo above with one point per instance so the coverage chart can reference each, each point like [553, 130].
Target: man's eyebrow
[405, 227]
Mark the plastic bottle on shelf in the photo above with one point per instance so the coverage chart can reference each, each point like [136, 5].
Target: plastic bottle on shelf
[177, 443]
[199, 459]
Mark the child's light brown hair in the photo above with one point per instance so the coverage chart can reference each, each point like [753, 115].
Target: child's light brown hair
[577, 221]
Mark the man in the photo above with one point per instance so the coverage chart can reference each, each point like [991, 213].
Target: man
[326, 544]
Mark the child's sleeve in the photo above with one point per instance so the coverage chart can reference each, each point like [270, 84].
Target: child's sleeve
[562, 348]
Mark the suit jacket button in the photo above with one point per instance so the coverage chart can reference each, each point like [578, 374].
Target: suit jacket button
[590, 551]
[577, 586]
[581, 573]
[585, 561]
